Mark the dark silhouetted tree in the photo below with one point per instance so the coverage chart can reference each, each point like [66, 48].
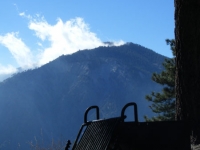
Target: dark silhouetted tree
[187, 35]
[163, 103]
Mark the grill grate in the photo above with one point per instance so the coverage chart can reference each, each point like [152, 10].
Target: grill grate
[97, 135]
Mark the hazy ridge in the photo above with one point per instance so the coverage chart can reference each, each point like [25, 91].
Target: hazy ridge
[52, 99]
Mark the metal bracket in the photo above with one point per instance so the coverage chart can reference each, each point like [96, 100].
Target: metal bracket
[135, 110]
[88, 109]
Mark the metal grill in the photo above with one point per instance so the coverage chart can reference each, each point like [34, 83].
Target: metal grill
[115, 134]
[97, 135]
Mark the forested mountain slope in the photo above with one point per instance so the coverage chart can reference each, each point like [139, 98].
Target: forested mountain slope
[49, 102]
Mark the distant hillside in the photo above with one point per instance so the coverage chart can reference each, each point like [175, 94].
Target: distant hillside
[52, 99]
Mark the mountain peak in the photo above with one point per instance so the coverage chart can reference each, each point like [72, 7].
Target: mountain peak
[54, 97]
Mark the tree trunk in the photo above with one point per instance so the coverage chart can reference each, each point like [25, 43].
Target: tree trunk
[187, 35]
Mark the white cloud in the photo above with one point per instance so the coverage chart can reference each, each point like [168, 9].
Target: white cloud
[63, 38]
[6, 71]
[18, 49]
[118, 43]
[9, 69]
[22, 13]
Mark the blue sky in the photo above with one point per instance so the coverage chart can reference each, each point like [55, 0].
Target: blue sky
[33, 33]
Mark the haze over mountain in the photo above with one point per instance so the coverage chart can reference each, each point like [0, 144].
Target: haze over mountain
[51, 100]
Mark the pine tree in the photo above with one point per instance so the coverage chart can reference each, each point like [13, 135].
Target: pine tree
[163, 103]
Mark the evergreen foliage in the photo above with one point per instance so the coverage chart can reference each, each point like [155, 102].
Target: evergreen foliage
[163, 103]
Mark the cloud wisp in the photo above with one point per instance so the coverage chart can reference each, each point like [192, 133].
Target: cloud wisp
[6, 71]
[18, 49]
[63, 38]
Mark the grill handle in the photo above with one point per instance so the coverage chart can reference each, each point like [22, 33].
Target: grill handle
[88, 109]
[135, 110]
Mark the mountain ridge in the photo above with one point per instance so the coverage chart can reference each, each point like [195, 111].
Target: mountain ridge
[53, 97]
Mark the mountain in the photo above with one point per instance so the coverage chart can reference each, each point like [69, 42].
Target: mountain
[50, 101]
